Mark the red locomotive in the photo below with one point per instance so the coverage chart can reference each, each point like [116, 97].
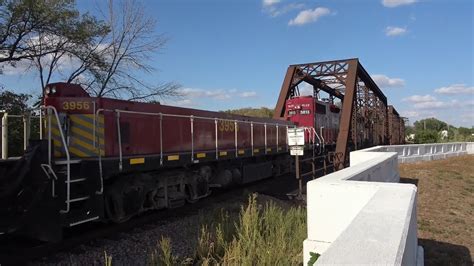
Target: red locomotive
[320, 118]
[108, 160]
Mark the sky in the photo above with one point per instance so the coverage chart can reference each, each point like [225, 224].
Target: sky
[230, 54]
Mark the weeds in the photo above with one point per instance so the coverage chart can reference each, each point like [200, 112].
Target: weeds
[162, 255]
[257, 235]
[107, 259]
[261, 236]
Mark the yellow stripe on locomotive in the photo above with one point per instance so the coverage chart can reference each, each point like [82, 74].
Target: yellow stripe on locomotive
[79, 131]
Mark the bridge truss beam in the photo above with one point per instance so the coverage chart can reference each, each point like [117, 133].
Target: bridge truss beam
[363, 121]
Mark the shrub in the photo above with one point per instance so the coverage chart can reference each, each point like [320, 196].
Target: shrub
[260, 236]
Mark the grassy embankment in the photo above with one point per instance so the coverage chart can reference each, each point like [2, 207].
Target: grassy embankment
[445, 208]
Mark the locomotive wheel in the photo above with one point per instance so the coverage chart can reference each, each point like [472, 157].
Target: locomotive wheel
[190, 196]
[125, 198]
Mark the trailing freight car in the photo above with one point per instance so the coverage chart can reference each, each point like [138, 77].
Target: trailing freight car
[396, 126]
[107, 160]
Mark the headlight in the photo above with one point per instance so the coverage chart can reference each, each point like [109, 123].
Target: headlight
[47, 90]
[53, 90]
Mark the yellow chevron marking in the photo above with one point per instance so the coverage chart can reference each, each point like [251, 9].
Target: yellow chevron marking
[200, 155]
[223, 153]
[57, 143]
[99, 121]
[269, 149]
[76, 119]
[137, 160]
[86, 134]
[256, 150]
[55, 131]
[77, 152]
[241, 152]
[173, 157]
[83, 144]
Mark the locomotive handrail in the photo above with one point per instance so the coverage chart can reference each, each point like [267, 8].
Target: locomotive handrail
[100, 151]
[320, 140]
[313, 133]
[188, 116]
[191, 119]
[66, 151]
[324, 142]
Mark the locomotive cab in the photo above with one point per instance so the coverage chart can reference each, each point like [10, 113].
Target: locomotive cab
[320, 118]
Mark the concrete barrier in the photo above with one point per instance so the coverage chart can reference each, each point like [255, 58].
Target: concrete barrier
[362, 215]
[427, 152]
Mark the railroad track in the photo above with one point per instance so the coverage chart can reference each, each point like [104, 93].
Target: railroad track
[22, 251]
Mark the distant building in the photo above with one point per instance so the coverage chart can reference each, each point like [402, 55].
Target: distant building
[443, 134]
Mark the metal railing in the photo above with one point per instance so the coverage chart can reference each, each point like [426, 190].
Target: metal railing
[50, 110]
[192, 120]
[26, 131]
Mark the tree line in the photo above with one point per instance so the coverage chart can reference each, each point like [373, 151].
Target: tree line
[429, 131]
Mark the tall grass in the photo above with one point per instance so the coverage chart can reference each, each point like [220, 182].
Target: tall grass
[265, 235]
[162, 255]
[257, 235]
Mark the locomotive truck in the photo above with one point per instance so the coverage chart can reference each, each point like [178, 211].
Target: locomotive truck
[107, 160]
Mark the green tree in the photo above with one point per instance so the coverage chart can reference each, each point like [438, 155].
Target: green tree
[108, 57]
[426, 136]
[23, 21]
[42, 34]
[16, 104]
[257, 112]
[409, 130]
[430, 124]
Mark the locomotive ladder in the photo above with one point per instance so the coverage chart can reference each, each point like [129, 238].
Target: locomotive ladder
[75, 216]
[48, 168]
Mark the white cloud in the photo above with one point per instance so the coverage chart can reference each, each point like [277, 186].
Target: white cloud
[456, 89]
[248, 94]
[386, 82]
[435, 105]
[309, 15]
[270, 2]
[395, 3]
[410, 113]
[394, 31]
[18, 68]
[469, 117]
[428, 102]
[200, 93]
[275, 11]
[218, 94]
[420, 98]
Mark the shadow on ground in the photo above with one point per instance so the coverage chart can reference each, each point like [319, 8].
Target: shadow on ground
[409, 180]
[442, 253]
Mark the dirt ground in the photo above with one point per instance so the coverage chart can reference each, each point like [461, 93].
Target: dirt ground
[445, 208]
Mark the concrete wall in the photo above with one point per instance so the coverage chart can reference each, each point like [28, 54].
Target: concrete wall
[362, 215]
[427, 152]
